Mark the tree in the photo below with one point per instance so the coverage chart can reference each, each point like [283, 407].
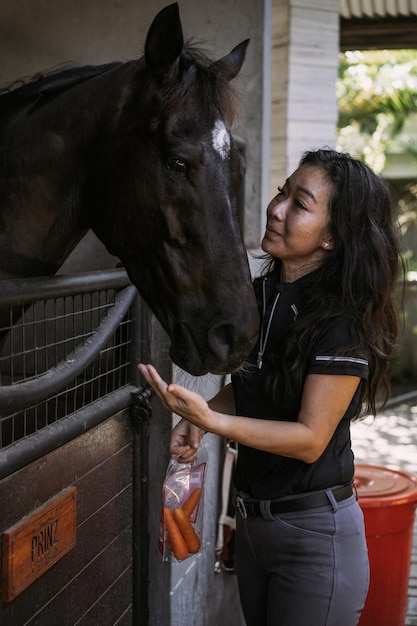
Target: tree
[377, 93]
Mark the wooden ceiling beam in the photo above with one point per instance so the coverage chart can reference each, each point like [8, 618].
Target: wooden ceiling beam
[378, 33]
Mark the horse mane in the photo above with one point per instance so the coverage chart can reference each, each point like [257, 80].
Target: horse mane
[50, 83]
[201, 76]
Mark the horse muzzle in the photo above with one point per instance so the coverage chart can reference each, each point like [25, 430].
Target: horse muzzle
[220, 349]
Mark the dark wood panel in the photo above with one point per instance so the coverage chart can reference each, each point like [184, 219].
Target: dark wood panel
[99, 463]
[114, 607]
[95, 541]
[26, 489]
[90, 587]
[378, 33]
[126, 620]
[104, 482]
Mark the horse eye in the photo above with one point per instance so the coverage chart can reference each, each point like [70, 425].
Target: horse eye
[177, 165]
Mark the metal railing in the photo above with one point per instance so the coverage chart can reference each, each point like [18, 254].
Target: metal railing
[64, 359]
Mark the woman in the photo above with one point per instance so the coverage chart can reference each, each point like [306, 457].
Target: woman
[328, 332]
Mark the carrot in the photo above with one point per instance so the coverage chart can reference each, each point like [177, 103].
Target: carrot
[179, 547]
[192, 501]
[187, 531]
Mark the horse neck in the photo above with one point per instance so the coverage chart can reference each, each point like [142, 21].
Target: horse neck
[37, 255]
[42, 205]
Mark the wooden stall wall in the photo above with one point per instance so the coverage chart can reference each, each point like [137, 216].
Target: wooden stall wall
[75, 439]
[93, 582]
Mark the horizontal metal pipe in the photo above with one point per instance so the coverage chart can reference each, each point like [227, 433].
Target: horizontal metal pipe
[33, 447]
[22, 291]
[26, 393]
[405, 398]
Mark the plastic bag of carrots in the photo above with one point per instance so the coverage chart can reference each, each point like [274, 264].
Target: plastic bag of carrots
[181, 526]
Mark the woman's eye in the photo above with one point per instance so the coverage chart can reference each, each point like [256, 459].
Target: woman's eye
[176, 164]
[300, 205]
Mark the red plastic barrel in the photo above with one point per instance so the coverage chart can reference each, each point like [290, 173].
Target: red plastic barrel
[388, 499]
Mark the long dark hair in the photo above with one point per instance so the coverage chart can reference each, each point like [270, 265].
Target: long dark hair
[357, 277]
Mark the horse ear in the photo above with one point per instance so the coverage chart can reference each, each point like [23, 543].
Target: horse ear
[230, 65]
[164, 41]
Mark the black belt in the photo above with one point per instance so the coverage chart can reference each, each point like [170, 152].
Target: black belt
[301, 503]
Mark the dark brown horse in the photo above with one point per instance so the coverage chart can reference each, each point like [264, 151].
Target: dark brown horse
[141, 153]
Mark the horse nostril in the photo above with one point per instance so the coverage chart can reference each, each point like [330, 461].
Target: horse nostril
[220, 340]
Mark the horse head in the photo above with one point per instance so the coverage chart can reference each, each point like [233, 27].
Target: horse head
[166, 179]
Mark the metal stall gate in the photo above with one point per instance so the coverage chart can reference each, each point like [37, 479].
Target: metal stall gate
[73, 454]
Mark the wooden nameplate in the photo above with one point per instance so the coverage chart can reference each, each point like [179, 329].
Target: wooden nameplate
[34, 544]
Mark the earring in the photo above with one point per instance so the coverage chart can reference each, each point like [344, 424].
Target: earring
[326, 244]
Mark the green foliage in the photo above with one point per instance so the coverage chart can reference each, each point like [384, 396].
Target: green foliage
[377, 93]
[407, 205]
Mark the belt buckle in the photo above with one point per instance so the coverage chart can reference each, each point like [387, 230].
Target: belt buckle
[240, 506]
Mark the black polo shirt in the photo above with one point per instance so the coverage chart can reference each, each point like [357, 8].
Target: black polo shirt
[267, 476]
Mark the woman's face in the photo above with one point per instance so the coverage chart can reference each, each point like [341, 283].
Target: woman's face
[297, 230]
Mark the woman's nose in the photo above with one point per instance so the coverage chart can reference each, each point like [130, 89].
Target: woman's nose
[278, 209]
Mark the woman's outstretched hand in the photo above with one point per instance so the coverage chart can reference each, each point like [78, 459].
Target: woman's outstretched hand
[187, 404]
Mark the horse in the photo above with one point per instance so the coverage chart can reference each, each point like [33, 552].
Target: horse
[141, 152]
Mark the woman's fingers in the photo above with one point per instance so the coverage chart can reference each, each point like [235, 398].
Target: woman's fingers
[187, 404]
[172, 396]
[155, 381]
[152, 377]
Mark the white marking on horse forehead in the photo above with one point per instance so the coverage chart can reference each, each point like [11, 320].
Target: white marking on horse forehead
[221, 139]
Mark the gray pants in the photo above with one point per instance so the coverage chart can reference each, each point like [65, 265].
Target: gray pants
[308, 568]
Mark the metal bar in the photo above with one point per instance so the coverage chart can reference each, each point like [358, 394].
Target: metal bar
[35, 446]
[141, 413]
[21, 291]
[24, 394]
[405, 398]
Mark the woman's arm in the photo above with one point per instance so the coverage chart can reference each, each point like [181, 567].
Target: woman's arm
[325, 400]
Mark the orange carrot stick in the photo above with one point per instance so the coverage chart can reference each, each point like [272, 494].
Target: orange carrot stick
[187, 531]
[191, 502]
[179, 546]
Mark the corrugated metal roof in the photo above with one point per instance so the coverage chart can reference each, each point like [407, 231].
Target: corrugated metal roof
[377, 8]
